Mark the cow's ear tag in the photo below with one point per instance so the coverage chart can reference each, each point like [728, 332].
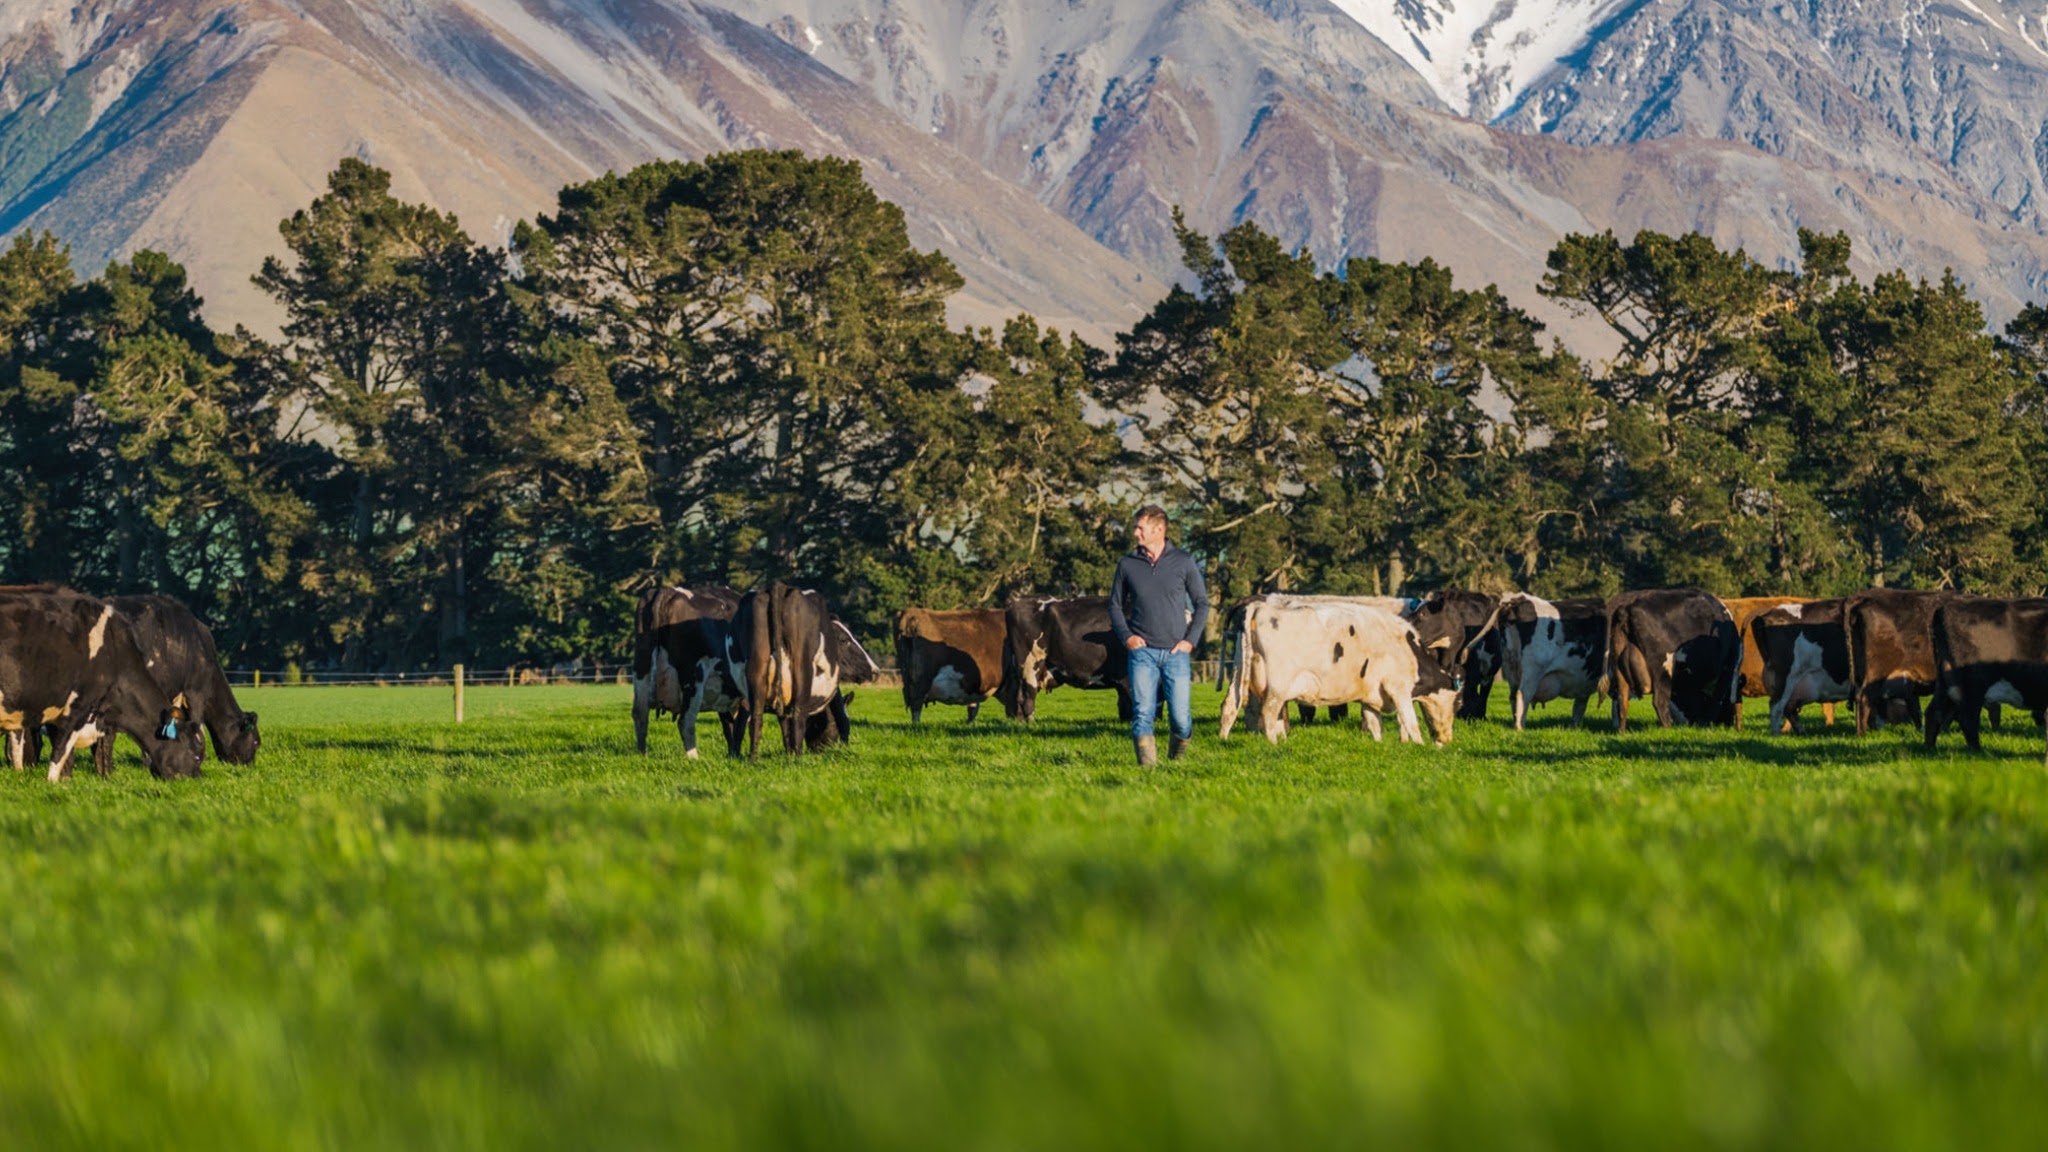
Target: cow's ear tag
[170, 730]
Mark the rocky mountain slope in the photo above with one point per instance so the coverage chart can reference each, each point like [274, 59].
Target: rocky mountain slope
[1043, 144]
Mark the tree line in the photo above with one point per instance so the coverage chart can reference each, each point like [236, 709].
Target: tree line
[740, 369]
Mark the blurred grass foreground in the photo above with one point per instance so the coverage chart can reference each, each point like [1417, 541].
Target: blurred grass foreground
[394, 932]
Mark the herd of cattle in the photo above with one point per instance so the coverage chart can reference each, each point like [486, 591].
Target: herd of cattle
[77, 669]
[1693, 655]
[80, 669]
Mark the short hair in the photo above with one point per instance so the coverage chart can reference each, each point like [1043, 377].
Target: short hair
[1151, 512]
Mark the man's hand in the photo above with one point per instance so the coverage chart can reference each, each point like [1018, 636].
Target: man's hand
[1134, 642]
[1183, 646]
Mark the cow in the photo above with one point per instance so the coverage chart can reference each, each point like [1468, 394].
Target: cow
[949, 657]
[1549, 649]
[788, 655]
[679, 661]
[1804, 654]
[1746, 609]
[180, 653]
[1048, 641]
[1679, 647]
[1891, 652]
[1332, 652]
[70, 663]
[1233, 626]
[1460, 617]
[1986, 652]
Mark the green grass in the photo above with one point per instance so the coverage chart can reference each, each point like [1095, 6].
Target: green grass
[393, 932]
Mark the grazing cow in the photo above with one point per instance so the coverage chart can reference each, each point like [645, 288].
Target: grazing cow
[181, 656]
[1746, 609]
[1330, 652]
[1986, 652]
[1805, 658]
[1460, 617]
[1048, 642]
[1549, 649]
[70, 663]
[1679, 647]
[1891, 652]
[679, 661]
[953, 657]
[788, 655]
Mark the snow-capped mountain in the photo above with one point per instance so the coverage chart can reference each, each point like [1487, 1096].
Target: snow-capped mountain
[1044, 146]
[1480, 56]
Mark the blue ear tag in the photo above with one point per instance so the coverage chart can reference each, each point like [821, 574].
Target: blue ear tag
[170, 729]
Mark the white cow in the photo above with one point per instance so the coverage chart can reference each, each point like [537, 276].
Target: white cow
[1335, 651]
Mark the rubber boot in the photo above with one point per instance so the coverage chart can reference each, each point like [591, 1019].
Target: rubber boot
[1176, 748]
[1148, 750]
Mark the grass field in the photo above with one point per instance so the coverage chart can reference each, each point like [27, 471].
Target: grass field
[395, 933]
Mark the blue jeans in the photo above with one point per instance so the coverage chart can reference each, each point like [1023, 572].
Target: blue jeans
[1148, 666]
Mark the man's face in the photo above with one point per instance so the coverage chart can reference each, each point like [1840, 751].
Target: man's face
[1150, 535]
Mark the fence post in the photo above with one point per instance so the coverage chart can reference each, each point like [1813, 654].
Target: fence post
[257, 681]
[458, 693]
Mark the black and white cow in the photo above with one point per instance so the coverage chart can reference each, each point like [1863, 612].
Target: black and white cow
[1679, 647]
[1549, 650]
[1804, 654]
[1987, 652]
[1473, 651]
[679, 661]
[788, 655]
[1050, 641]
[70, 664]
[1329, 652]
[181, 656]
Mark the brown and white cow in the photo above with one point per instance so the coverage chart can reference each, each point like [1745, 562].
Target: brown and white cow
[1049, 641]
[1679, 647]
[788, 655]
[1333, 652]
[69, 663]
[949, 657]
[1549, 650]
[679, 661]
[1747, 609]
[1805, 657]
[1987, 653]
[1891, 652]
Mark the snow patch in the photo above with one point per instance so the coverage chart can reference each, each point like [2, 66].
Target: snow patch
[1481, 55]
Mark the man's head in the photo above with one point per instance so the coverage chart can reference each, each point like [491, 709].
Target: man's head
[1148, 529]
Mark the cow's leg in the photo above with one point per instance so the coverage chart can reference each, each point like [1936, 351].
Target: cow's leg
[1660, 699]
[754, 716]
[1521, 708]
[1229, 717]
[973, 710]
[1970, 717]
[1579, 710]
[1404, 715]
[1273, 718]
[1369, 719]
[103, 757]
[1862, 705]
[1779, 722]
[17, 749]
[1620, 687]
[1125, 711]
[1339, 712]
[1827, 713]
[686, 726]
[1997, 715]
[1305, 712]
[735, 725]
[643, 694]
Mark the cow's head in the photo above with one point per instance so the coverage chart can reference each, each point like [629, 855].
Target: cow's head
[237, 741]
[1438, 677]
[177, 748]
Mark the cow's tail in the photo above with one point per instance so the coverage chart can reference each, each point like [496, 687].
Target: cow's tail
[1235, 669]
[1852, 639]
[903, 657]
[1479, 637]
[643, 634]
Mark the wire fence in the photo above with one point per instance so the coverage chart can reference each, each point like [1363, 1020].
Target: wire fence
[594, 673]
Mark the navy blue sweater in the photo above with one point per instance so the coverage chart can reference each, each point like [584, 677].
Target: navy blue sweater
[1163, 602]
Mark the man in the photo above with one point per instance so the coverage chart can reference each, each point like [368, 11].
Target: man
[1158, 607]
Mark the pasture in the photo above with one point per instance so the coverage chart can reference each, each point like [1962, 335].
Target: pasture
[393, 932]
